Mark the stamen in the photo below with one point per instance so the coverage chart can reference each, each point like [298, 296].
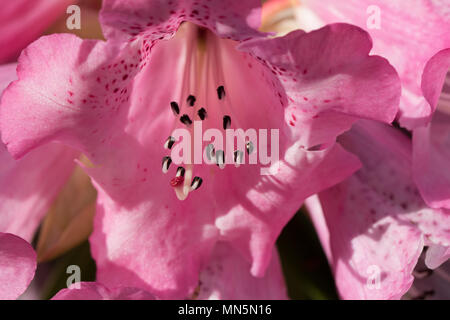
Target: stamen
[249, 146]
[202, 113]
[169, 142]
[226, 122]
[180, 172]
[220, 159]
[185, 119]
[210, 151]
[196, 183]
[221, 92]
[166, 164]
[175, 108]
[238, 156]
[191, 100]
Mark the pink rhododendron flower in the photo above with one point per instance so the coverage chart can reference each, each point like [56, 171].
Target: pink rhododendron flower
[17, 266]
[118, 101]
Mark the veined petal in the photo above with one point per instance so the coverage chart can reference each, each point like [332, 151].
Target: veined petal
[376, 219]
[234, 19]
[330, 80]
[17, 266]
[69, 101]
[22, 21]
[436, 255]
[97, 291]
[28, 186]
[407, 32]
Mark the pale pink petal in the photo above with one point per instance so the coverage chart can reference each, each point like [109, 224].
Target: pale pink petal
[263, 210]
[407, 32]
[314, 206]
[434, 76]
[227, 277]
[28, 186]
[96, 291]
[7, 75]
[23, 21]
[57, 105]
[330, 80]
[436, 255]
[17, 266]
[153, 19]
[377, 221]
[431, 143]
[431, 155]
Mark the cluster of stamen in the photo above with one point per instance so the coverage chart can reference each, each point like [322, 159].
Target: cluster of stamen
[186, 111]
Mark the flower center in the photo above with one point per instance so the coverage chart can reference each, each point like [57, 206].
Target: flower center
[202, 101]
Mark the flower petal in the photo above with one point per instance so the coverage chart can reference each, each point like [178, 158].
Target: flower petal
[260, 212]
[376, 219]
[408, 34]
[7, 75]
[23, 21]
[28, 186]
[330, 80]
[431, 155]
[431, 143]
[436, 255]
[234, 19]
[85, 85]
[17, 266]
[227, 277]
[434, 76]
[96, 291]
